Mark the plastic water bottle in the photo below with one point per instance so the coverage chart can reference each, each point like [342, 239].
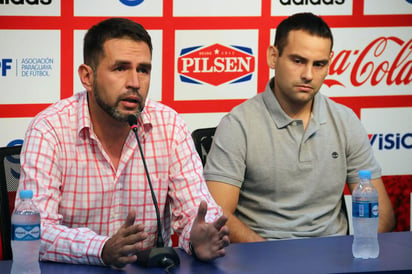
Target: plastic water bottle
[25, 238]
[365, 213]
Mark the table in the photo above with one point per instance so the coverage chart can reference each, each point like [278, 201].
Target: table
[314, 255]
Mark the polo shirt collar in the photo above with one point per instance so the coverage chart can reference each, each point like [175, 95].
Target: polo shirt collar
[319, 108]
[280, 118]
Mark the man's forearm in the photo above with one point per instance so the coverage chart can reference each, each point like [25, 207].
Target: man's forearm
[71, 245]
[239, 232]
[387, 220]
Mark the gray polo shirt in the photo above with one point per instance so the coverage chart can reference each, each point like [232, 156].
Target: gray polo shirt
[291, 180]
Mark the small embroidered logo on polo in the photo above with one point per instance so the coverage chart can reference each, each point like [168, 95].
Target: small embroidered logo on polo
[335, 155]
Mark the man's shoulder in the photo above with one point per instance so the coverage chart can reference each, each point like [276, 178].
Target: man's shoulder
[157, 110]
[59, 111]
[335, 107]
[251, 104]
[337, 113]
[161, 113]
[154, 106]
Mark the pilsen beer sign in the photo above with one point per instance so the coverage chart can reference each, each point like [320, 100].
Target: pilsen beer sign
[216, 64]
[371, 66]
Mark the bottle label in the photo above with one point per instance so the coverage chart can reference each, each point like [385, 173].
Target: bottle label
[365, 210]
[25, 232]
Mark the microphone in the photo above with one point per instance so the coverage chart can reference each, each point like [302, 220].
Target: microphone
[159, 256]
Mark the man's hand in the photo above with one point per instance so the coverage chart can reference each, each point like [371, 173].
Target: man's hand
[120, 249]
[209, 239]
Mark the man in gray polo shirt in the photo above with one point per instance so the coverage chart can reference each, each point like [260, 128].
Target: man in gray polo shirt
[279, 161]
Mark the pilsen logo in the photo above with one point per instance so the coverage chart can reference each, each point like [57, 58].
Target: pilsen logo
[216, 64]
[363, 68]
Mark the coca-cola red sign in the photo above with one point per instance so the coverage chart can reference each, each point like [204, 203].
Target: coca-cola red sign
[385, 60]
[216, 64]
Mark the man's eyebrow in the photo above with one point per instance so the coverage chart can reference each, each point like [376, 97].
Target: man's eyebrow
[323, 61]
[145, 65]
[121, 62]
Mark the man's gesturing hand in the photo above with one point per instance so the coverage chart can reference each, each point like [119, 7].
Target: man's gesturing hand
[119, 250]
[209, 239]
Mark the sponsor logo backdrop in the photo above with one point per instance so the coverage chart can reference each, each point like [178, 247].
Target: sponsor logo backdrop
[210, 56]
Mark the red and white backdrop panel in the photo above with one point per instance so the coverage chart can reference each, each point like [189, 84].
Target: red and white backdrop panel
[210, 56]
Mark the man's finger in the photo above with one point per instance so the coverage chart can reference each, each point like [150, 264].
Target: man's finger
[219, 223]
[131, 216]
[201, 212]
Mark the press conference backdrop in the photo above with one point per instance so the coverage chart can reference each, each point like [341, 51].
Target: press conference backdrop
[210, 56]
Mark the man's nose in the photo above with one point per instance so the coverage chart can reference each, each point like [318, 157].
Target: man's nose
[307, 73]
[133, 80]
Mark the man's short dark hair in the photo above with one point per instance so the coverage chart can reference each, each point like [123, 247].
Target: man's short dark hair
[111, 28]
[307, 22]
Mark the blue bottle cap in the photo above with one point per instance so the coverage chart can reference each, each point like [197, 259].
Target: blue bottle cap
[26, 194]
[365, 174]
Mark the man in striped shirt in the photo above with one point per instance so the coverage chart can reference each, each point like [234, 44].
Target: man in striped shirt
[84, 166]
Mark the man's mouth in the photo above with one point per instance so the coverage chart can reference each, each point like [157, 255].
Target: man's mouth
[305, 88]
[130, 101]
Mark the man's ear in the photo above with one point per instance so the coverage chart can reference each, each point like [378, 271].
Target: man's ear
[272, 55]
[86, 76]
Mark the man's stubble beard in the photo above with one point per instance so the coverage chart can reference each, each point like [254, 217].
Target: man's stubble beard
[113, 111]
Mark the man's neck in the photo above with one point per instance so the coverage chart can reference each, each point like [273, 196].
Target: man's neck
[111, 133]
[296, 111]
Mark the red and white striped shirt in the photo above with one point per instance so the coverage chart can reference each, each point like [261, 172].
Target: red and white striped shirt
[82, 198]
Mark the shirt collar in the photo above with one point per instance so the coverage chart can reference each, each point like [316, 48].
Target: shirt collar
[280, 118]
[319, 108]
[145, 118]
[85, 128]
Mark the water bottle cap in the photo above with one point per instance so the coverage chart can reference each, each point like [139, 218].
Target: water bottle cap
[365, 174]
[26, 194]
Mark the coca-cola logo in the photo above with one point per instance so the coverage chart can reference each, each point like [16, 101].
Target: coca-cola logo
[216, 64]
[375, 64]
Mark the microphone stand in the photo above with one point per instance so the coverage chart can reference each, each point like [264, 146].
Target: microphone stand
[159, 256]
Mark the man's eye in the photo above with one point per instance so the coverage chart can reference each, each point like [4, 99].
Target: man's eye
[121, 68]
[297, 61]
[143, 70]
